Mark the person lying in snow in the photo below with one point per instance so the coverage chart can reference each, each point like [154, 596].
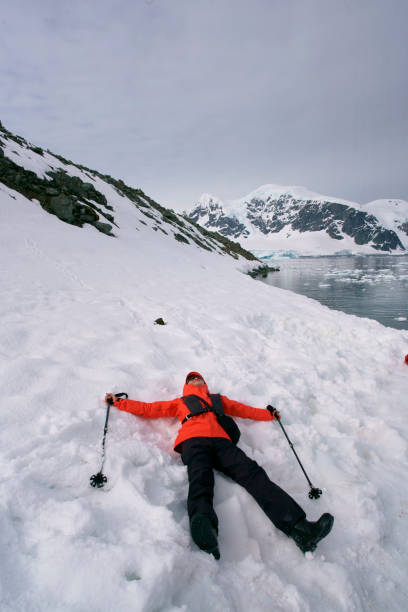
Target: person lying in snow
[205, 445]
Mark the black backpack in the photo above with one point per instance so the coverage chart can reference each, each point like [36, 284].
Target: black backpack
[197, 405]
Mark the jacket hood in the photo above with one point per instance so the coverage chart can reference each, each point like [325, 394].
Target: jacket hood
[193, 390]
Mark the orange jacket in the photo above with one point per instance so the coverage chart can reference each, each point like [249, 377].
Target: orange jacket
[204, 425]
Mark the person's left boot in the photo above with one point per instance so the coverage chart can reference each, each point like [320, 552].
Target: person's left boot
[308, 534]
[204, 534]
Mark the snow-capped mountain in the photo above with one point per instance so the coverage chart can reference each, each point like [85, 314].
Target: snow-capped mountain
[275, 218]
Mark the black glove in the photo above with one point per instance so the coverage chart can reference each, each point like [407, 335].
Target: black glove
[274, 412]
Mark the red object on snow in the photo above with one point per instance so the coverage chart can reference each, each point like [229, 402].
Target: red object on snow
[406, 359]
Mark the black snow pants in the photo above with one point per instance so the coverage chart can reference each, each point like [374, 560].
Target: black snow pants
[203, 455]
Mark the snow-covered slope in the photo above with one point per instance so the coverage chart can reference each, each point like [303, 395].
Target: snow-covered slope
[392, 214]
[80, 196]
[280, 219]
[77, 312]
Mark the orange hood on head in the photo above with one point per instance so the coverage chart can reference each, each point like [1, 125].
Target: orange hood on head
[193, 390]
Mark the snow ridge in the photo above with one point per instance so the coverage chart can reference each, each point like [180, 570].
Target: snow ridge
[80, 196]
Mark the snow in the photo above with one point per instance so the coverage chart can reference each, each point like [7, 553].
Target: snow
[392, 214]
[388, 211]
[78, 311]
[23, 156]
[297, 192]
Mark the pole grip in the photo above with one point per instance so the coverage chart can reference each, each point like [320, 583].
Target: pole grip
[120, 395]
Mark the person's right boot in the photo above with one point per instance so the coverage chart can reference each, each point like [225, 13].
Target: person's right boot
[204, 534]
[308, 534]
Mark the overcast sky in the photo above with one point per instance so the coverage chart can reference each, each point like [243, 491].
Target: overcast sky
[181, 97]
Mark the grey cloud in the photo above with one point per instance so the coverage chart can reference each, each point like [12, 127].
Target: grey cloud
[185, 96]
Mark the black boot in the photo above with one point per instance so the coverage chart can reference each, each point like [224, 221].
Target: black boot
[204, 534]
[308, 534]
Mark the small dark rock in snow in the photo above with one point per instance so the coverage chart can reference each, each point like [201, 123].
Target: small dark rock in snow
[160, 321]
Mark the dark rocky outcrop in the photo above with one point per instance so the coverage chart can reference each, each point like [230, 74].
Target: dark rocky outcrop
[262, 271]
[404, 228]
[61, 195]
[227, 226]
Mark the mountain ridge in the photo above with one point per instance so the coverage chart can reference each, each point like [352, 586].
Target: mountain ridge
[78, 195]
[271, 213]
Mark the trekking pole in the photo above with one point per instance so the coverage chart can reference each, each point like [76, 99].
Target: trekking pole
[98, 480]
[314, 492]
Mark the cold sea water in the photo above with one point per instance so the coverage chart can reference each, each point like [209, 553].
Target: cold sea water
[373, 286]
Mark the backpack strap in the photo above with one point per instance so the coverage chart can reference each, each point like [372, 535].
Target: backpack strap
[217, 406]
[196, 406]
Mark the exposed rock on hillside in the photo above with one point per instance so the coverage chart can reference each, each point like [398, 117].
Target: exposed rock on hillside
[70, 191]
